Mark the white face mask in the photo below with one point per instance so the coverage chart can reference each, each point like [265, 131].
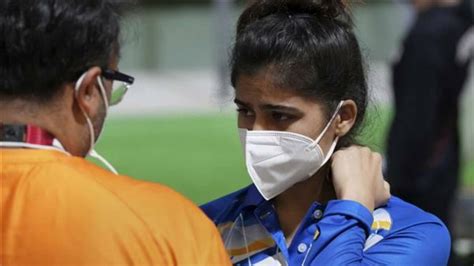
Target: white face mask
[93, 141]
[276, 160]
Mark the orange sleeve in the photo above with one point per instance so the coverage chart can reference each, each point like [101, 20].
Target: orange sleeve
[215, 253]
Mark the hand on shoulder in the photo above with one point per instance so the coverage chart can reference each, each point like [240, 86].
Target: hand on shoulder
[357, 176]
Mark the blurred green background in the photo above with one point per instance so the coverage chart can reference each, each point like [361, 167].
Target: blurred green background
[200, 155]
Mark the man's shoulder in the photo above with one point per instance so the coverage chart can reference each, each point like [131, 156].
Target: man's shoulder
[90, 174]
[96, 206]
[154, 204]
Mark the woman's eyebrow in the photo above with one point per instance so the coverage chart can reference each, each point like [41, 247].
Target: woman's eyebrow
[239, 102]
[271, 107]
[275, 107]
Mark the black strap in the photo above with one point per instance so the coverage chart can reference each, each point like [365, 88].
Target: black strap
[12, 133]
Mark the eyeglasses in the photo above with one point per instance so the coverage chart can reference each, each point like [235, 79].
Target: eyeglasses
[120, 84]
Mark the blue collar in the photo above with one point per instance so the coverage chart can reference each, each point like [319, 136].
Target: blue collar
[252, 197]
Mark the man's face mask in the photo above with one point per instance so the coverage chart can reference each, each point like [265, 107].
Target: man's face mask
[276, 160]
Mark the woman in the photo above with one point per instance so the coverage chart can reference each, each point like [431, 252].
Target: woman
[301, 93]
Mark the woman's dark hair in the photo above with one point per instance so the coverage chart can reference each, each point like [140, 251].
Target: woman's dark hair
[47, 43]
[309, 46]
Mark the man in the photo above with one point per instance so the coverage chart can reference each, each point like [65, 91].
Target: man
[423, 146]
[58, 75]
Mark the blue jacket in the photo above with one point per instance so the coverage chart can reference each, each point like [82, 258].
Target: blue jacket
[342, 232]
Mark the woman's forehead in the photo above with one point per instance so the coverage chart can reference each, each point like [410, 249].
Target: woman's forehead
[260, 89]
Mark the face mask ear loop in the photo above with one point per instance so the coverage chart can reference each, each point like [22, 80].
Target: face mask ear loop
[329, 123]
[91, 130]
[89, 122]
[331, 150]
[94, 154]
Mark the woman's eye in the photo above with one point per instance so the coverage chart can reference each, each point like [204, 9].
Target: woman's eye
[244, 112]
[277, 116]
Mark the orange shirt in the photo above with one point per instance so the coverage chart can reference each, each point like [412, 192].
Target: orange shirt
[58, 209]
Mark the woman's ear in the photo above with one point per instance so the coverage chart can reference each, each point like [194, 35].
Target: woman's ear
[346, 118]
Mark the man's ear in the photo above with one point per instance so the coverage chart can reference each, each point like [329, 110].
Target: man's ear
[346, 118]
[88, 95]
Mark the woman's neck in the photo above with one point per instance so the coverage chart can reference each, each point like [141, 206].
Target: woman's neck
[292, 205]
